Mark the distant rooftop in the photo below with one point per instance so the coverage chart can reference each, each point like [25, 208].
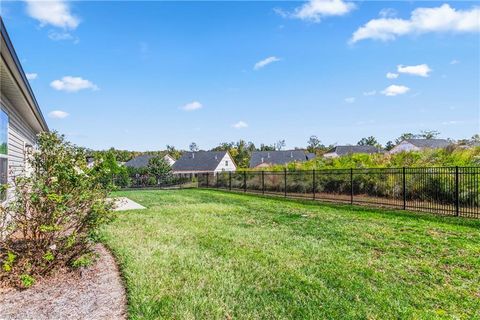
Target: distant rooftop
[199, 161]
[429, 143]
[344, 150]
[279, 157]
[140, 161]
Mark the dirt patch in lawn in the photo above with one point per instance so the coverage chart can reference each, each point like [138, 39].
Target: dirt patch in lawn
[93, 293]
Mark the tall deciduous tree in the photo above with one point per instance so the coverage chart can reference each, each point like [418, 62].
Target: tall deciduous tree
[314, 144]
[280, 144]
[160, 169]
[405, 136]
[429, 134]
[193, 147]
[368, 141]
[389, 145]
[173, 152]
[240, 151]
[266, 147]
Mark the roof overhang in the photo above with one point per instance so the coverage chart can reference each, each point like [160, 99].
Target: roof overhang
[15, 87]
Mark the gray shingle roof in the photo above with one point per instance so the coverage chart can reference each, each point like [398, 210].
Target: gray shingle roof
[139, 162]
[278, 157]
[199, 161]
[429, 143]
[344, 150]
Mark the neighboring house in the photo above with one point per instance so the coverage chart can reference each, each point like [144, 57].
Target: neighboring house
[339, 151]
[192, 163]
[169, 159]
[143, 160]
[420, 144]
[20, 116]
[262, 159]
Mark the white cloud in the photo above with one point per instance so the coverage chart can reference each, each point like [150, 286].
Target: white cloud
[421, 70]
[370, 93]
[387, 13]
[58, 114]
[454, 61]
[264, 62]
[391, 75]
[422, 20]
[240, 125]
[191, 106]
[452, 122]
[395, 90]
[72, 84]
[58, 36]
[31, 76]
[315, 10]
[61, 36]
[350, 100]
[54, 12]
[282, 13]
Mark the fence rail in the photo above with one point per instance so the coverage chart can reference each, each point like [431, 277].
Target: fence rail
[442, 190]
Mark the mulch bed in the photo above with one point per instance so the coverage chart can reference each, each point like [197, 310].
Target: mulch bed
[96, 292]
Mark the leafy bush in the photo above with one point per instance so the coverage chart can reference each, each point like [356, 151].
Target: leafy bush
[447, 157]
[109, 173]
[433, 185]
[54, 212]
[160, 170]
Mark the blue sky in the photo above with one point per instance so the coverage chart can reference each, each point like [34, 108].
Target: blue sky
[140, 75]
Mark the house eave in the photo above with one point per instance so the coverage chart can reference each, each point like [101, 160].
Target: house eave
[13, 66]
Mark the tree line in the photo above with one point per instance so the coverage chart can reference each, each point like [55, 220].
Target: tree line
[241, 149]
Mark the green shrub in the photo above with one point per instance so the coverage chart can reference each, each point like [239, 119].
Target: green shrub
[447, 157]
[84, 261]
[109, 172]
[7, 264]
[55, 211]
[27, 280]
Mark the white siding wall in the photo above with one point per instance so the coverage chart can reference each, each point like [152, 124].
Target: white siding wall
[222, 166]
[330, 155]
[19, 134]
[169, 160]
[404, 146]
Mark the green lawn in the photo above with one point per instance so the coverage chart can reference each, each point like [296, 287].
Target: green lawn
[204, 254]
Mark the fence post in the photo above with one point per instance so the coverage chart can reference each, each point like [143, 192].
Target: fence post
[285, 181]
[244, 181]
[404, 188]
[263, 182]
[457, 193]
[230, 180]
[351, 185]
[207, 178]
[314, 185]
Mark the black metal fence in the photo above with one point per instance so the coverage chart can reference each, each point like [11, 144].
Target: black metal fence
[443, 190]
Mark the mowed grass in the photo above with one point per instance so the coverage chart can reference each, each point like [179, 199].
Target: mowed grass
[205, 254]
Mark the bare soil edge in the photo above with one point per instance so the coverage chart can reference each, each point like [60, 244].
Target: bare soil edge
[96, 292]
